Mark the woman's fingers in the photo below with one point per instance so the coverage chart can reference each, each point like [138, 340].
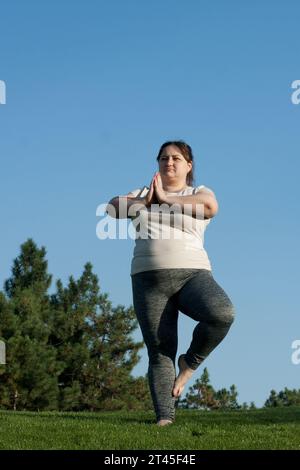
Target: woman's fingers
[151, 191]
[153, 179]
[151, 195]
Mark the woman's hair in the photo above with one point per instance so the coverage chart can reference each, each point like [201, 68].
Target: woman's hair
[186, 151]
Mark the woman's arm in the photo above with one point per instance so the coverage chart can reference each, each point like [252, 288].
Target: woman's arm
[203, 199]
[118, 206]
[203, 204]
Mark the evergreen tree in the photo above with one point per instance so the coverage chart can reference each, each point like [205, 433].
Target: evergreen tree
[30, 377]
[137, 394]
[29, 271]
[93, 341]
[70, 350]
[8, 328]
[202, 394]
[69, 335]
[233, 403]
[285, 397]
[113, 356]
[222, 399]
[272, 400]
[292, 397]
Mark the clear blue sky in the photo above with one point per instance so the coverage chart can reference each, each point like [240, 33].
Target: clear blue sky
[94, 88]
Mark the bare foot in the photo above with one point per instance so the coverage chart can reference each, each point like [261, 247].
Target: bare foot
[164, 422]
[185, 373]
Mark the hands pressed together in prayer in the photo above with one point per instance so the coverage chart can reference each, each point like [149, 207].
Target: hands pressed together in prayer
[203, 204]
[156, 194]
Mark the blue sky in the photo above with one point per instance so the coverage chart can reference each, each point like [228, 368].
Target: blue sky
[94, 88]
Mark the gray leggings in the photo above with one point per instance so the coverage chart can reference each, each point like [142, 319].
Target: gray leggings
[158, 295]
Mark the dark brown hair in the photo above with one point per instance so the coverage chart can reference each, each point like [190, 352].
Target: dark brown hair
[187, 153]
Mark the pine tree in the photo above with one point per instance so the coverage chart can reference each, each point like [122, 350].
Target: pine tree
[8, 328]
[292, 397]
[30, 378]
[93, 342]
[273, 400]
[29, 271]
[70, 350]
[233, 394]
[285, 397]
[137, 394]
[113, 356]
[222, 397]
[202, 394]
[70, 338]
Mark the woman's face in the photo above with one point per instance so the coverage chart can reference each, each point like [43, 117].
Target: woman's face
[173, 165]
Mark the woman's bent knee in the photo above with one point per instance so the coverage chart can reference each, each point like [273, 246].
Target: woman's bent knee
[228, 315]
[223, 314]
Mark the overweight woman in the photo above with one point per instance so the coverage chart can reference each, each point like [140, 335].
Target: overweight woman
[171, 272]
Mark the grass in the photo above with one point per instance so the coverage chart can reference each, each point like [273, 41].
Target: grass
[277, 428]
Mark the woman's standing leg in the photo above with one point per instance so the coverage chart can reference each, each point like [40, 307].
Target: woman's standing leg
[157, 315]
[203, 300]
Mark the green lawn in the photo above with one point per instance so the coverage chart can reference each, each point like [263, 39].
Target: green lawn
[257, 429]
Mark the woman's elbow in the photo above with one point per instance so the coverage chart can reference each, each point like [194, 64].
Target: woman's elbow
[112, 207]
[211, 209]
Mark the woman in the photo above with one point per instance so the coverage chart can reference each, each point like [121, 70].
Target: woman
[171, 272]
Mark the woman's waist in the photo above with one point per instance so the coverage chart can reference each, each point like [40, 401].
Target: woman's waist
[154, 247]
[170, 260]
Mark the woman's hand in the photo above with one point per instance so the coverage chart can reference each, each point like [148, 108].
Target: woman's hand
[158, 188]
[156, 193]
[150, 197]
